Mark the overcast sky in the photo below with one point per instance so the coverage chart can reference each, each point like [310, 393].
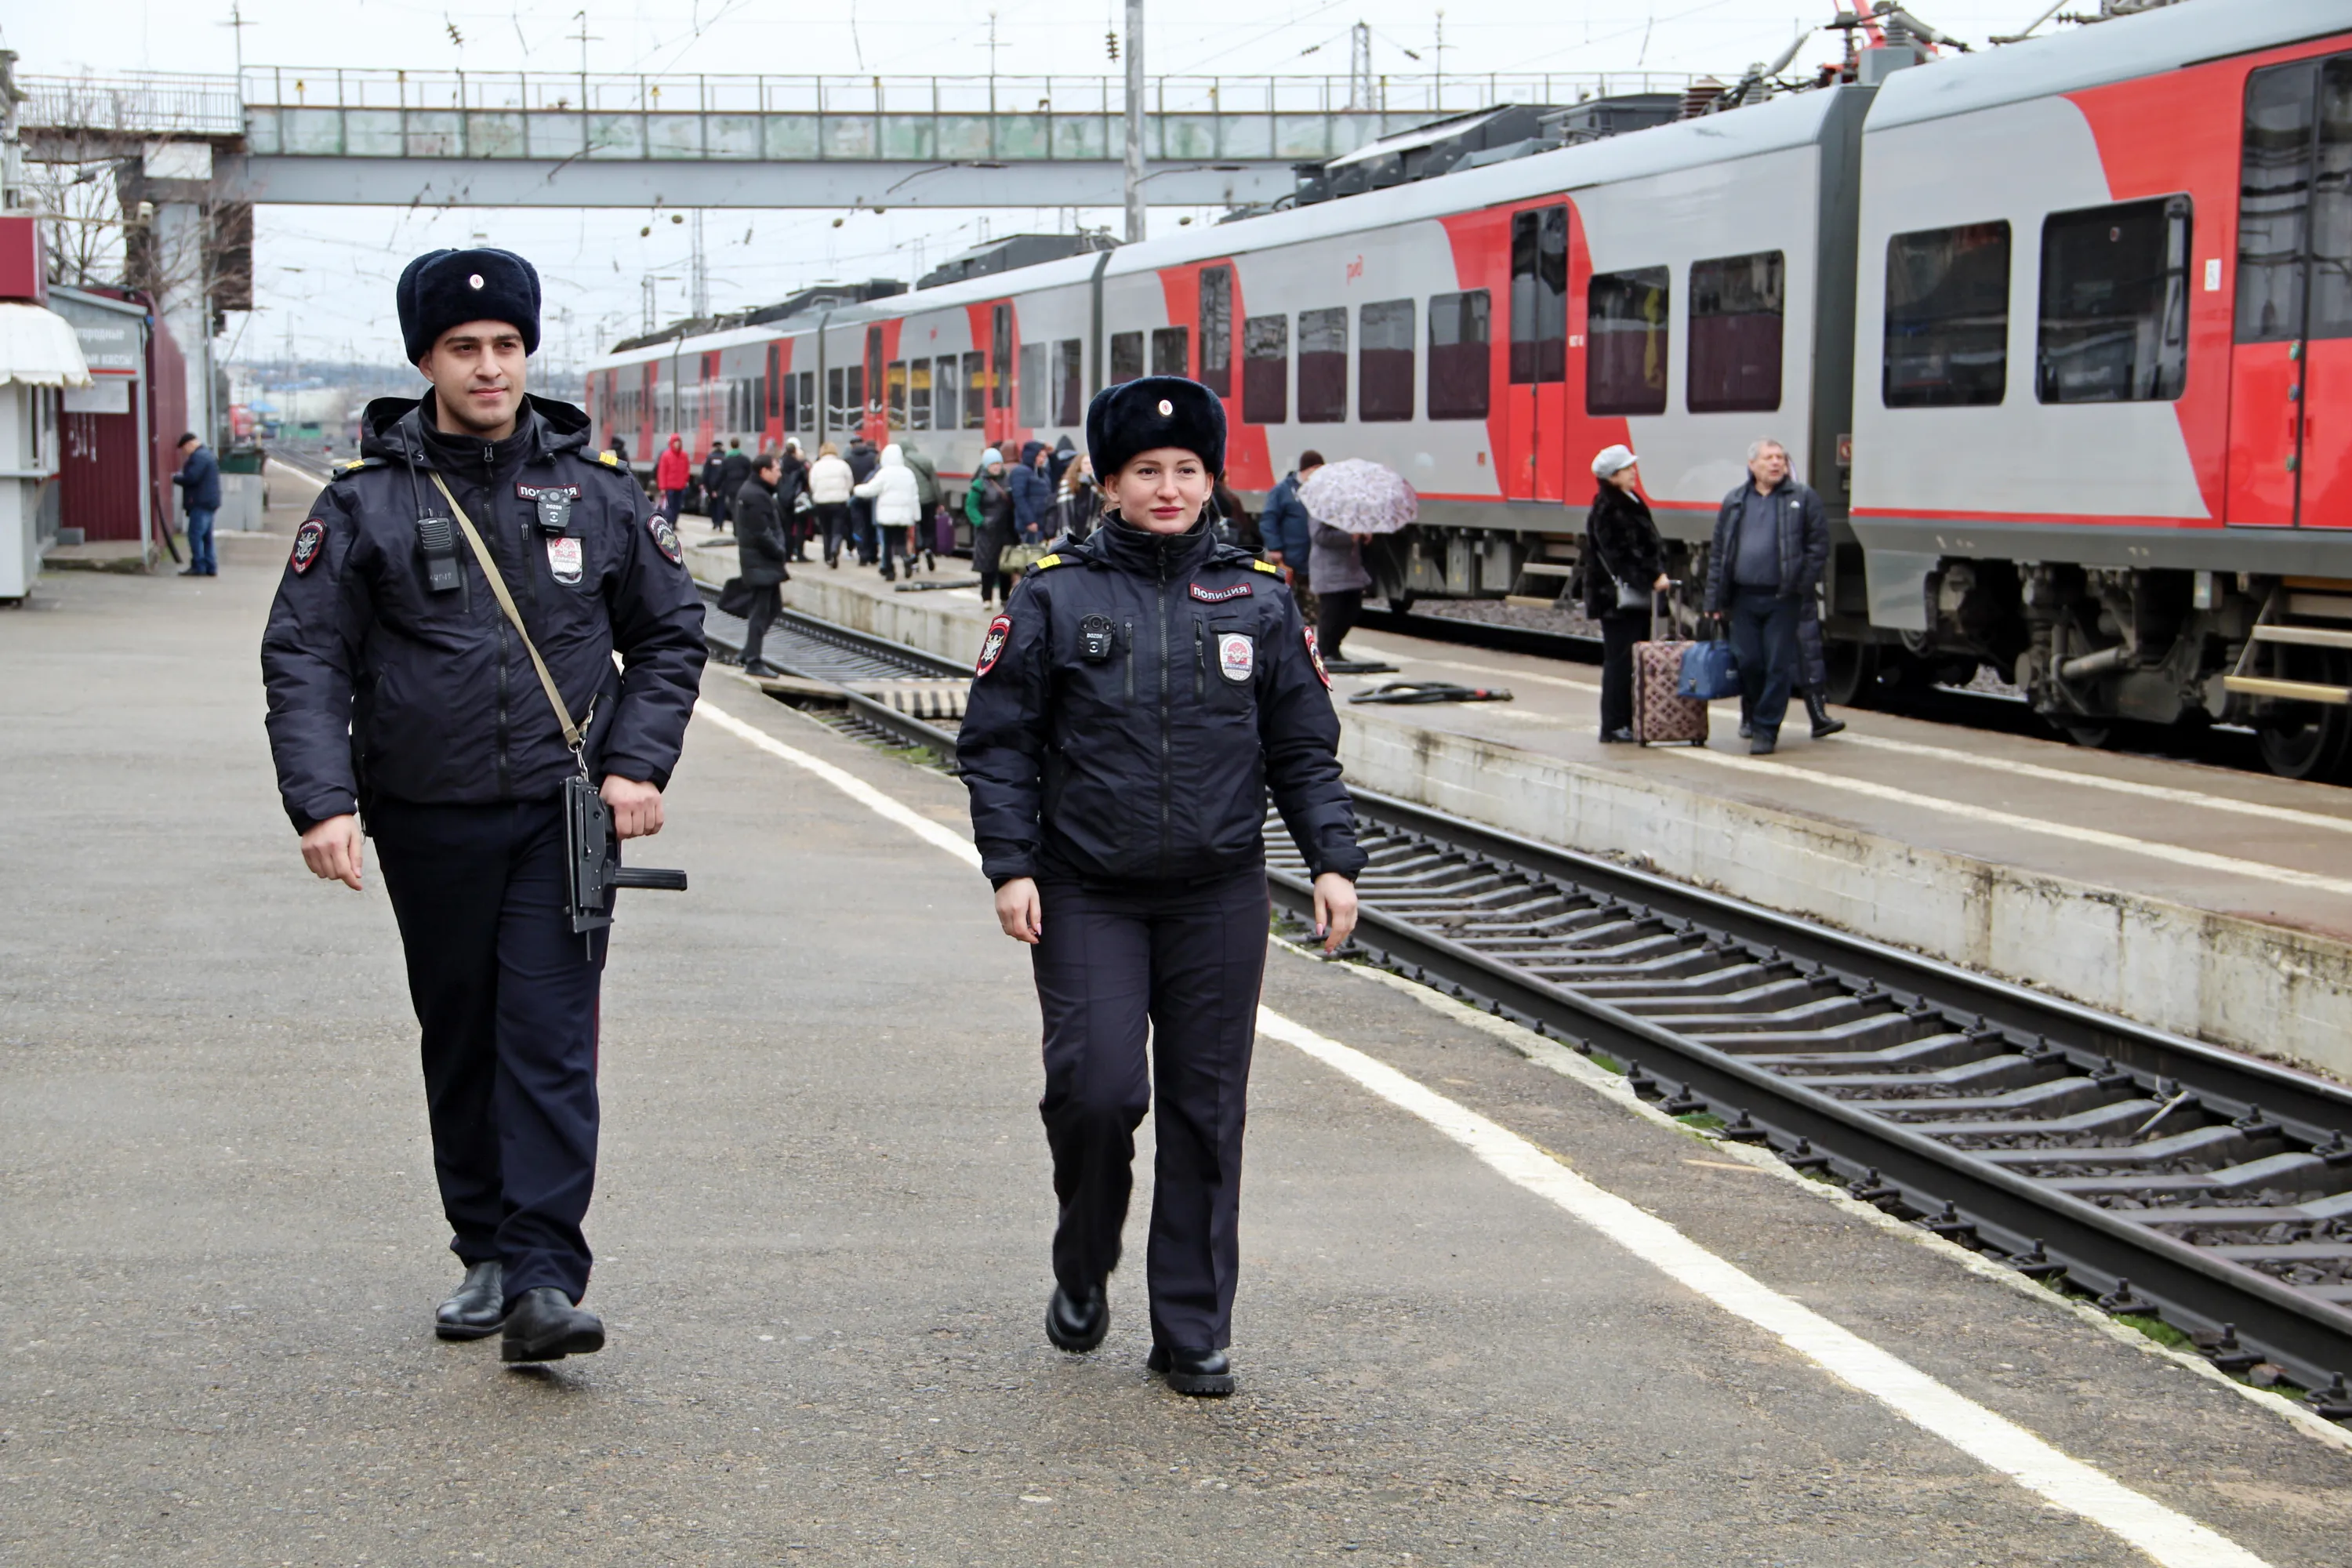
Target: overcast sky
[324, 275]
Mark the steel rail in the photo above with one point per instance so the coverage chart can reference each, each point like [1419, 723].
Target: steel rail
[1687, 1027]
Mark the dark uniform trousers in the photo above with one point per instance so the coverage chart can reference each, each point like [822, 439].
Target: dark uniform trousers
[507, 998]
[1187, 963]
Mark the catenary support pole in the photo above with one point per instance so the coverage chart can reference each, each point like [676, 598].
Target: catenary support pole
[1135, 219]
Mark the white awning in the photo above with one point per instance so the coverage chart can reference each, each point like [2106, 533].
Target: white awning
[38, 348]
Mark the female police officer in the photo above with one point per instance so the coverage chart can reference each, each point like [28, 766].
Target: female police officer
[1133, 704]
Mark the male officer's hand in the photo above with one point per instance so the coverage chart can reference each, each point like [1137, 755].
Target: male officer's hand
[1335, 910]
[334, 849]
[1018, 911]
[636, 807]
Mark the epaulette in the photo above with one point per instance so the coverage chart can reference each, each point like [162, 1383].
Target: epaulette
[609, 460]
[1043, 561]
[355, 465]
[1265, 566]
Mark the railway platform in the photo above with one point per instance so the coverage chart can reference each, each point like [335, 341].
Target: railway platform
[2205, 900]
[1493, 1310]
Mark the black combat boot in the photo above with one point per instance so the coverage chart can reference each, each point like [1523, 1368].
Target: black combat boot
[1204, 1373]
[545, 1326]
[1819, 707]
[479, 1306]
[1078, 1323]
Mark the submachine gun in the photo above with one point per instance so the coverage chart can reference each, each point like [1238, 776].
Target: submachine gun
[591, 873]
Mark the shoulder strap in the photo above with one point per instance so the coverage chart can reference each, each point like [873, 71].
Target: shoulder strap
[506, 601]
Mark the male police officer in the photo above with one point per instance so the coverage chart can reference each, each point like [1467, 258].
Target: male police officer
[401, 690]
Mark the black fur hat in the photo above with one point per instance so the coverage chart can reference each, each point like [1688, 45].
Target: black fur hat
[445, 288]
[1155, 411]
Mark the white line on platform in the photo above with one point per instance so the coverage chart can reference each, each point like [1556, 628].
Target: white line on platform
[2164, 1535]
[2196, 798]
[2202, 860]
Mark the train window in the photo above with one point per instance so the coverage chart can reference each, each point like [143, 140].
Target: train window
[1217, 329]
[947, 392]
[1384, 345]
[1000, 394]
[975, 390]
[1539, 295]
[793, 404]
[2115, 303]
[854, 403]
[1947, 317]
[1070, 381]
[1266, 370]
[1126, 356]
[808, 400]
[773, 385]
[835, 393]
[895, 378]
[1458, 355]
[1322, 367]
[1625, 343]
[1735, 305]
[1171, 351]
[1033, 387]
[919, 395]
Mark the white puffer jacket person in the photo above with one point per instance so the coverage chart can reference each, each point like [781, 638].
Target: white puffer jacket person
[897, 497]
[829, 479]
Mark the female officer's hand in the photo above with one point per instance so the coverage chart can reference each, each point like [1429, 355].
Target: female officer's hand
[1017, 911]
[1335, 910]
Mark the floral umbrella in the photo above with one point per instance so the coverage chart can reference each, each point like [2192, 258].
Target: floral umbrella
[1357, 495]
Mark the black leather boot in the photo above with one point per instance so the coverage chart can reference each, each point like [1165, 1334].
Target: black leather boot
[477, 1308]
[1078, 1323]
[1818, 706]
[545, 1326]
[1206, 1374]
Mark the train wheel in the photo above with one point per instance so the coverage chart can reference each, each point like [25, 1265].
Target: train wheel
[1853, 669]
[2090, 735]
[2311, 740]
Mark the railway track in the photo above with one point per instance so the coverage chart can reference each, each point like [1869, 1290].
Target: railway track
[2165, 1177]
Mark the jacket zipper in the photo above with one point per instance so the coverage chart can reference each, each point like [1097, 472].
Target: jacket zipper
[1167, 745]
[1200, 664]
[1128, 627]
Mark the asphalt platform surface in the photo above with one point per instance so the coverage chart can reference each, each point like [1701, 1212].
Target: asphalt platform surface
[823, 1217]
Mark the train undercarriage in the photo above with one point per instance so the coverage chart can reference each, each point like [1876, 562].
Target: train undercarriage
[2101, 654]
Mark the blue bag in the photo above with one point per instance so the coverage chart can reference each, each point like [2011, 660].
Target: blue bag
[1709, 672]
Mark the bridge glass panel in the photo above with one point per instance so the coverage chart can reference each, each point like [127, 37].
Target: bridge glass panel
[848, 136]
[616, 136]
[1323, 366]
[435, 133]
[1023, 136]
[261, 133]
[1187, 135]
[1081, 136]
[963, 136]
[731, 136]
[1266, 370]
[1245, 135]
[789, 138]
[1302, 136]
[674, 136]
[911, 137]
[495, 134]
[554, 134]
[352, 132]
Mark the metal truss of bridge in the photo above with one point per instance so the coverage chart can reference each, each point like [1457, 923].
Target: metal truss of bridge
[517, 139]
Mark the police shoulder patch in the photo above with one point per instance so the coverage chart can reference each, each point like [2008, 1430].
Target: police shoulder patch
[1219, 596]
[309, 540]
[1315, 657]
[991, 646]
[665, 538]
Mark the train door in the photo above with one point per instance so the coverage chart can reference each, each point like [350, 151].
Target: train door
[2291, 361]
[1535, 409]
[1000, 376]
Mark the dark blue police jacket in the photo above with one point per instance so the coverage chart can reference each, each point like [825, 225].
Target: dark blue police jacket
[1133, 705]
[377, 685]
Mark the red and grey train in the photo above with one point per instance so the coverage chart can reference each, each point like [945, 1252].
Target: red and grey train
[2062, 333]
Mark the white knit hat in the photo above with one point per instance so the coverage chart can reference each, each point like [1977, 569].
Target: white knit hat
[1612, 460]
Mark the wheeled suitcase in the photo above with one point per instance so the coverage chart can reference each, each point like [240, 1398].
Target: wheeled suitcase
[1662, 716]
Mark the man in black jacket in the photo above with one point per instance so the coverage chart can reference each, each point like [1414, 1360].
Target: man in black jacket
[1771, 545]
[734, 473]
[715, 489]
[400, 691]
[760, 557]
[863, 459]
